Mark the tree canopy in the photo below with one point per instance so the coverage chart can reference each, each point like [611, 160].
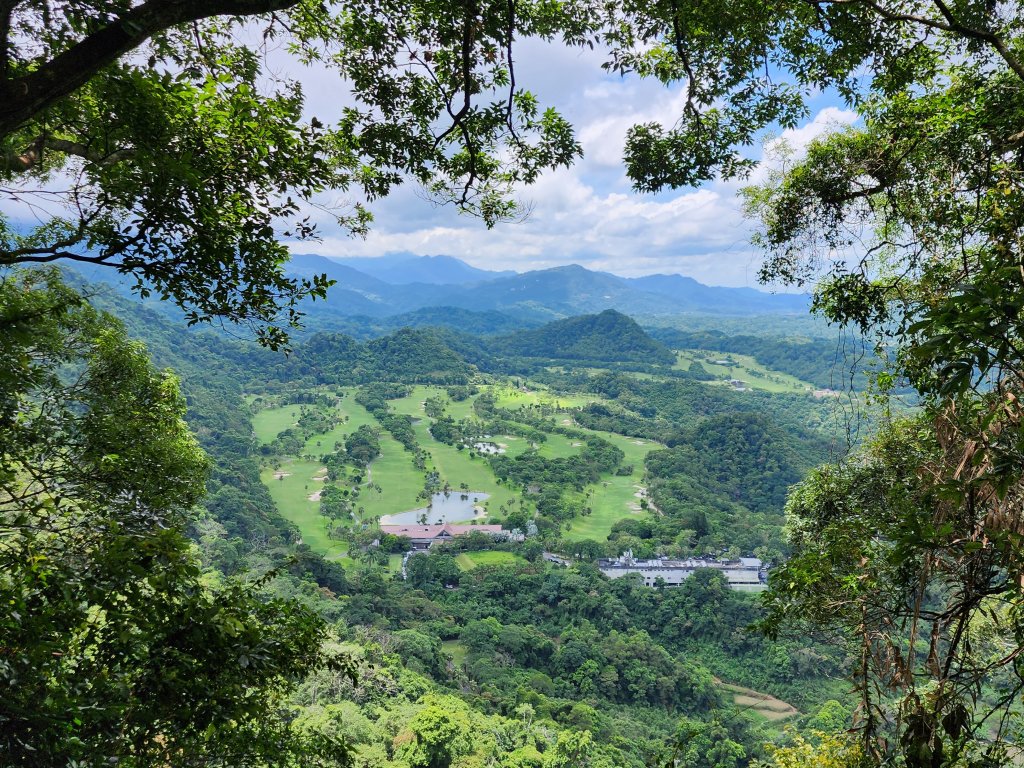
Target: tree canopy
[178, 158]
[159, 144]
[115, 650]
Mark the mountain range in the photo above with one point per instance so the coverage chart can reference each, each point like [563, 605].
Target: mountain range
[399, 284]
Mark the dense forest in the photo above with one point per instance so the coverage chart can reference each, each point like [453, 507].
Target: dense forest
[484, 630]
[525, 532]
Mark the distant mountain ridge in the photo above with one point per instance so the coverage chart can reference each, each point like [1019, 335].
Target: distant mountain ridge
[406, 284]
[406, 268]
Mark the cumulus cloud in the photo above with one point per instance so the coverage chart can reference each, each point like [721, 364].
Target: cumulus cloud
[588, 214]
[699, 233]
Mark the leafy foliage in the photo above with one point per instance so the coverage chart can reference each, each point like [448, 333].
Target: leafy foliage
[186, 161]
[115, 649]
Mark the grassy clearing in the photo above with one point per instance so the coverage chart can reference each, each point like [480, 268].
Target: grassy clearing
[611, 500]
[290, 487]
[469, 560]
[399, 480]
[456, 650]
[559, 447]
[461, 409]
[318, 445]
[743, 367]
[614, 498]
[760, 704]
[509, 397]
[513, 444]
[412, 404]
[270, 422]
[352, 416]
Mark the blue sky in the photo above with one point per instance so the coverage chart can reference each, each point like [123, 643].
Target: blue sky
[587, 214]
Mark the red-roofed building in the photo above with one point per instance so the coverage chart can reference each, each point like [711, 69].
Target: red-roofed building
[425, 536]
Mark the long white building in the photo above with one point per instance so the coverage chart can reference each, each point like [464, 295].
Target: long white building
[746, 573]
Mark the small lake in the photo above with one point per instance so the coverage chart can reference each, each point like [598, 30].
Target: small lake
[452, 507]
[489, 448]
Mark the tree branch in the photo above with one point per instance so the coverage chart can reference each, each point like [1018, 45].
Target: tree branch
[19, 162]
[949, 24]
[24, 97]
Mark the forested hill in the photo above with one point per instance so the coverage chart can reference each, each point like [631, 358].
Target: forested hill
[589, 456]
[609, 336]
[483, 323]
[437, 355]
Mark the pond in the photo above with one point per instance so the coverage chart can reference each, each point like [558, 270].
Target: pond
[452, 507]
[489, 448]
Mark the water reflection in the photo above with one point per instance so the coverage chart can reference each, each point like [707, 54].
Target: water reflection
[451, 507]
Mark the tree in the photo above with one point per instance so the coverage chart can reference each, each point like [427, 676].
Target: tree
[114, 650]
[440, 733]
[910, 224]
[184, 158]
[705, 745]
[573, 749]
[825, 751]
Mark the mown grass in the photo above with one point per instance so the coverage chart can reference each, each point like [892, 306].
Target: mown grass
[351, 416]
[610, 500]
[270, 422]
[400, 482]
[614, 497]
[412, 404]
[461, 409]
[469, 560]
[290, 487]
[456, 650]
[559, 446]
[743, 367]
[510, 397]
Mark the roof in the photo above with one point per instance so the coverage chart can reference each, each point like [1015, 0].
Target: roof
[433, 531]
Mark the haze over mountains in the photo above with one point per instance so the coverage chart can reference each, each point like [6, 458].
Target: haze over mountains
[398, 284]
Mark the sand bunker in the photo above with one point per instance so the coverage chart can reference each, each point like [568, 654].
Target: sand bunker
[282, 475]
[315, 496]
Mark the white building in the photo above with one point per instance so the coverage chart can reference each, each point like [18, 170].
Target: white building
[747, 573]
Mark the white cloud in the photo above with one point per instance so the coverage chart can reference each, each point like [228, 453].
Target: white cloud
[587, 214]
[698, 233]
[796, 140]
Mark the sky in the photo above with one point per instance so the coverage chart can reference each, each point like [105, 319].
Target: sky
[587, 214]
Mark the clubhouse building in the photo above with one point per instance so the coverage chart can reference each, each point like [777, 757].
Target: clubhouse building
[425, 536]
